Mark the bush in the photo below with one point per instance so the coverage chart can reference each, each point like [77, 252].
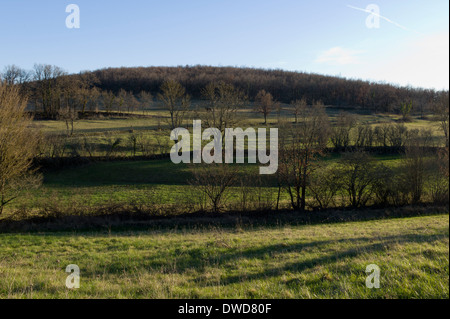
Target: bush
[324, 185]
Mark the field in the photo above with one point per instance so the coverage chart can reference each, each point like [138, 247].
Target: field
[158, 181]
[286, 260]
[314, 261]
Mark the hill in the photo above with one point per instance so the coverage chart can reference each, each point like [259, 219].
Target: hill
[285, 86]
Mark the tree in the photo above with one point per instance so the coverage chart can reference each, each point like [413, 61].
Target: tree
[324, 185]
[69, 116]
[439, 174]
[357, 175]
[87, 98]
[341, 131]
[299, 147]
[145, 100]
[381, 133]
[108, 99]
[264, 104]
[283, 85]
[441, 110]
[298, 106]
[48, 87]
[132, 102]
[13, 74]
[405, 110]
[86, 92]
[68, 107]
[222, 104]
[415, 163]
[213, 181]
[364, 136]
[121, 100]
[176, 101]
[18, 146]
[397, 135]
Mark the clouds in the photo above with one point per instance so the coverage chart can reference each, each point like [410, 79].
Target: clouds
[419, 61]
[423, 62]
[339, 56]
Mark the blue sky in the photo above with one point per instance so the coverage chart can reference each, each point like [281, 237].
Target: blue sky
[326, 37]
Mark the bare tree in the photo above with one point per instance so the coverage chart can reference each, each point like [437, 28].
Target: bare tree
[131, 102]
[213, 181]
[86, 92]
[439, 174]
[298, 106]
[416, 162]
[381, 133]
[264, 104]
[397, 135]
[441, 110]
[176, 101]
[364, 136]
[69, 116]
[357, 175]
[121, 100]
[18, 146]
[48, 86]
[405, 110]
[300, 145]
[13, 74]
[341, 131]
[223, 103]
[145, 100]
[324, 185]
[108, 99]
[87, 98]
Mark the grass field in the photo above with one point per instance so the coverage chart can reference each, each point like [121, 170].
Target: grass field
[121, 182]
[316, 261]
[100, 133]
[283, 261]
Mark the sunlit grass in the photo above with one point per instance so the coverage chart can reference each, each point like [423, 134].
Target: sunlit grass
[323, 261]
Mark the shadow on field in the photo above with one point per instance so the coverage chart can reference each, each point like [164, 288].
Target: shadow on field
[200, 258]
[119, 219]
[360, 248]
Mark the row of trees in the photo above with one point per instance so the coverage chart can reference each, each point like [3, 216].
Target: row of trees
[356, 179]
[357, 176]
[57, 95]
[223, 101]
[284, 86]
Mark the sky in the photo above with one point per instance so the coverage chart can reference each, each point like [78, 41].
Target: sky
[408, 46]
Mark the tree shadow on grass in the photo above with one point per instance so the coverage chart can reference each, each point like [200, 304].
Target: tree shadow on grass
[360, 248]
[179, 261]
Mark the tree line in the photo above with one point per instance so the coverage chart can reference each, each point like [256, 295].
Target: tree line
[46, 84]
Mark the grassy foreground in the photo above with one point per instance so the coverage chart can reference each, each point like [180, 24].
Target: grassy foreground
[318, 261]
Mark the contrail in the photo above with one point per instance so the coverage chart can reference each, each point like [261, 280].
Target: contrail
[384, 18]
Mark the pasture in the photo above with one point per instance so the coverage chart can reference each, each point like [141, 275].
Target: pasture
[286, 261]
[159, 182]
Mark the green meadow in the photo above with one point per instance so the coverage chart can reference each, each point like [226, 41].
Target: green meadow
[285, 261]
[161, 182]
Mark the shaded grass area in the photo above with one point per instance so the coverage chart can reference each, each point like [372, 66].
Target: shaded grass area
[118, 182]
[286, 261]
